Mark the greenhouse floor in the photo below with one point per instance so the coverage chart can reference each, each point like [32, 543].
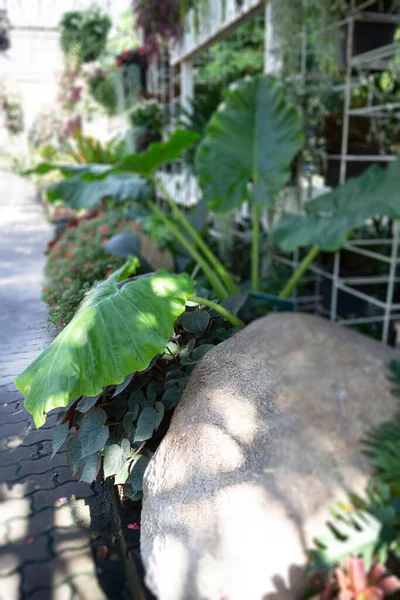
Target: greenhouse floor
[45, 550]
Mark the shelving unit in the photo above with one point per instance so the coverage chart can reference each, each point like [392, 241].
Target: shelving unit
[385, 252]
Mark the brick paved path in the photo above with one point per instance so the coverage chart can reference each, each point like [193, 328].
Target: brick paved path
[45, 549]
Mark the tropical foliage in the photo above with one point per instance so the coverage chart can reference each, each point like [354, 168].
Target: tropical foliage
[253, 139]
[77, 259]
[114, 434]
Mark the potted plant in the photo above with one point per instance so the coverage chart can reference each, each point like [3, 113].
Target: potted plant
[102, 87]
[147, 119]
[4, 31]
[137, 57]
[84, 33]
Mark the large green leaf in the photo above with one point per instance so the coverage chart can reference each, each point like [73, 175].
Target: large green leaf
[158, 154]
[69, 170]
[116, 331]
[78, 193]
[251, 141]
[331, 218]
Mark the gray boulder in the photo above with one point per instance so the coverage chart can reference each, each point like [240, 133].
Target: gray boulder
[265, 439]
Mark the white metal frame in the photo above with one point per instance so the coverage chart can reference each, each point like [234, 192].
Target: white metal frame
[217, 28]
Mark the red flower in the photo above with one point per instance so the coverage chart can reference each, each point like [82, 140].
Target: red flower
[118, 62]
[141, 51]
[133, 526]
[126, 53]
[104, 229]
[68, 255]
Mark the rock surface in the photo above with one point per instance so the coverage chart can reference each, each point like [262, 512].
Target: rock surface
[265, 439]
[158, 258]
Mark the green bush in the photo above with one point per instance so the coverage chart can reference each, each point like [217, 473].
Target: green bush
[84, 33]
[77, 260]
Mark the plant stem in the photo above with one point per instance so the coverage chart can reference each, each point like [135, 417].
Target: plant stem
[203, 246]
[215, 282]
[298, 274]
[233, 319]
[255, 250]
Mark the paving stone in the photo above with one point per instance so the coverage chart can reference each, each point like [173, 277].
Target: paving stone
[44, 537]
[42, 498]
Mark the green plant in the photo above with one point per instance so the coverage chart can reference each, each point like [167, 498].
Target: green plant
[253, 139]
[240, 54]
[145, 166]
[148, 114]
[102, 86]
[11, 107]
[77, 260]
[47, 129]
[84, 33]
[196, 116]
[364, 533]
[329, 219]
[127, 422]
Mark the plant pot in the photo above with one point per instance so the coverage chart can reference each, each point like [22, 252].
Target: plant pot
[367, 36]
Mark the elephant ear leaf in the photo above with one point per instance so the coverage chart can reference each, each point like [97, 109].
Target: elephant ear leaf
[116, 331]
[79, 193]
[330, 218]
[158, 154]
[250, 142]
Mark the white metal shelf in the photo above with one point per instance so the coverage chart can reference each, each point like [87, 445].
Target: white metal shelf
[375, 59]
[363, 157]
[376, 110]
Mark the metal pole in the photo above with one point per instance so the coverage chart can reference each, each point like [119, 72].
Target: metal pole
[335, 287]
[347, 102]
[392, 278]
[272, 63]
[187, 84]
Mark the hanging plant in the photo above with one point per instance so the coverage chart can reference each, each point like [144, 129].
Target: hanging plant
[164, 21]
[102, 87]
[5, 26]
[148, 120]
[11, 108]
[84, 33]
[137, 57]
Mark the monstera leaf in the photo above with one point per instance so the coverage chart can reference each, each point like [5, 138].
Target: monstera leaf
[330, 218]
[116, 331]
[249, 146]
[78, 193]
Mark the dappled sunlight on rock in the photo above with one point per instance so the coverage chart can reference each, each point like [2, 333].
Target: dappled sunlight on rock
[237, 414]
[265, 440]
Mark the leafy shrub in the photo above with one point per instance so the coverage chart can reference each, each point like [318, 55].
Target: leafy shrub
[77, 260]
[126, 423]
[148, 115]
[47, 128]
[102, 87]
[84, 33]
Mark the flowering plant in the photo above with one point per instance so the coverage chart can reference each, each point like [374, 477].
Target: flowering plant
[351, 581]
[77, 259]
[136, 58]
